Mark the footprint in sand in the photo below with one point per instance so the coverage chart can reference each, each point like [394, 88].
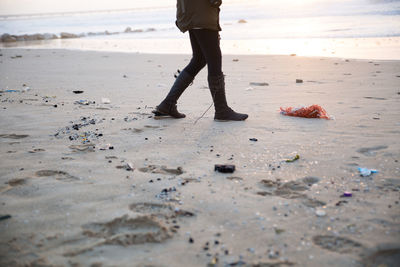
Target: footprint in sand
[291, 190]
[159, 210]
[59, 175]
[12, 183]
[13, 136]
[161, 170]
[370, 151]
[390, 185]
[336, 243]
[127, 231]
[82, 148]
[387, 255]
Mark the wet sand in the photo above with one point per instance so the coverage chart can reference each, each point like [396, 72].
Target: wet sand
[106, 184]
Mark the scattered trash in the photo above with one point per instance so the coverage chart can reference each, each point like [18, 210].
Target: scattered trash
[106, 147]
[366, 172]
[128, 166]
[341, 202]
[5, 217]
[313, 111]
[224, 168]
[293, 55]
[249, 88]
[259, 84]
[299, 81]
[242, 21]
[77, 92]
[347, 194]
[105, 100]
[297, 157]
[11, 91]
[235, 60]
[84, 102]
[253, 139]
[320, 213]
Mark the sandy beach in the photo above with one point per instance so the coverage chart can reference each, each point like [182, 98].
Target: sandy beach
[93, 179]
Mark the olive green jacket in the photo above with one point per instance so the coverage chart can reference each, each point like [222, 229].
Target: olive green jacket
[197, 14]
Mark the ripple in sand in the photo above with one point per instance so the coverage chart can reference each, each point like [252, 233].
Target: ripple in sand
[13, 136]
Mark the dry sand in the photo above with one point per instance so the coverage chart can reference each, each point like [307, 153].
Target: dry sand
[79, 203]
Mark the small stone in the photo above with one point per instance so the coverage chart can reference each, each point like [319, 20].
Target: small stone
[320, 213]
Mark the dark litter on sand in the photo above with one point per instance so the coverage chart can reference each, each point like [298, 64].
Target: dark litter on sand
[72, 131]
[224, 168]
[253, 139]
[84, 102]
[5, 217]
[297, 157]
[77, 92]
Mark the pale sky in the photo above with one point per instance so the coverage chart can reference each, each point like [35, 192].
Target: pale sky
[8, 7]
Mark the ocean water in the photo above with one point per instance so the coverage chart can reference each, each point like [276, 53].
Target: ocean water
[264, 20]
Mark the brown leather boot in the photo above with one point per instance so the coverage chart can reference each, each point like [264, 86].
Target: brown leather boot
[222, 111]
[168, 106]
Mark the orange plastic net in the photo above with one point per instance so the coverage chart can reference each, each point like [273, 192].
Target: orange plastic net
[314, 111]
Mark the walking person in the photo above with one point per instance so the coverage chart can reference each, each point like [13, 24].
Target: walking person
[201, 19]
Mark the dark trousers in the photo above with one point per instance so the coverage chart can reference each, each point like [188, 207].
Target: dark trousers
[206, 50]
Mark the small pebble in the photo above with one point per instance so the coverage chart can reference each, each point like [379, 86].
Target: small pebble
[320, 213]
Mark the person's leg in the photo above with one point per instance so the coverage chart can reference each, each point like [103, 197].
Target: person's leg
[184, 79]
[198, 61]
[208, 41]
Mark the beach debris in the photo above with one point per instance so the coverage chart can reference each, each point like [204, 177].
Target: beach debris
[77, 92]
[5, 217]
[105, 100]
[249, 88]
[242, 21]
[320, 213]
[106, 147]
[84, 102]
[253, 139]
[11, 91]
[127, 166]
[72, 131]
[259, 84]
[313, 111]
[293, 55]
[295, 158]
[347, 194]
[235, 60]
[339, 203]
[299, 81]
[366, 172]
[224, 168]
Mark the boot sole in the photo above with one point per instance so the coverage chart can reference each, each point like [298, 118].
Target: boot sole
[161, 114]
